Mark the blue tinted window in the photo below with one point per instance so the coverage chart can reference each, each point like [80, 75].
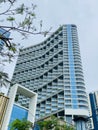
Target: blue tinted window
[73, 91]
[4, 33]
[74, 101]
[18, 113]
[75, 106]
[72, 69]
[73, 96]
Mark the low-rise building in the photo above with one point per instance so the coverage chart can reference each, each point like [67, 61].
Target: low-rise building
[3, 33]
[3, 106]
[17, 111]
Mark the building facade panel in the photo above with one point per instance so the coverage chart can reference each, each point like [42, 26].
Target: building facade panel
[15, 110]
[94, 109]
[3, 106]
[18, 112]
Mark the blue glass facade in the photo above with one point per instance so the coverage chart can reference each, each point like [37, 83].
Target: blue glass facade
[18, 113]
[36, 127]
[4, 33]
[94, 110]
[72, 69]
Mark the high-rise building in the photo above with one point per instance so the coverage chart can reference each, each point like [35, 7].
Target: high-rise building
[53, 69]
[94, 109]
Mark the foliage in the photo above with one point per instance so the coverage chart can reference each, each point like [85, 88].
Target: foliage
[48, 124]
[19, 18]
[53, 123]
[20, 125]
[4, 79]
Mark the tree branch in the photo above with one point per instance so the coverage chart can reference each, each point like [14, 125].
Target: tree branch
[25, 31]
[6, 10]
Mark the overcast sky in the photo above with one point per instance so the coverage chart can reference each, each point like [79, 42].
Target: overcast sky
[83, 13]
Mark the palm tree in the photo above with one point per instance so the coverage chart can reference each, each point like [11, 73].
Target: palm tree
[49, 124]
[54, 123]
[20, 125]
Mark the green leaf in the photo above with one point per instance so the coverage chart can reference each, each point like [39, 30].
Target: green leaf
[20, 9]
[32, 14]
[20, 125]
[13, 49]
[10, 18]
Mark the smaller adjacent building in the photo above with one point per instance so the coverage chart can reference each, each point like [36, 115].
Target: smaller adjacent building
[17, 111]
[3, 106]
[5, 34]
[93, 98]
